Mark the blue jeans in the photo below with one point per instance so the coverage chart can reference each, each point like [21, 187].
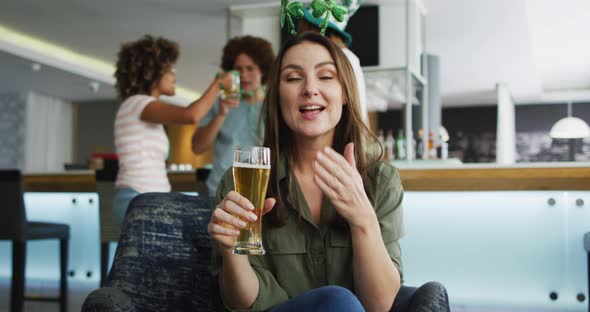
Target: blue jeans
[431, 297]
[123, 197]
[324, 299]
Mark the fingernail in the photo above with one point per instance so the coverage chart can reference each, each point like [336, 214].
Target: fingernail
[236, 232]
[241, 223]
[252, 217]
[250, 206]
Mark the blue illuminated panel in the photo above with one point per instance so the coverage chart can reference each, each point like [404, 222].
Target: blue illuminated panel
[80, 211]
[498, 248]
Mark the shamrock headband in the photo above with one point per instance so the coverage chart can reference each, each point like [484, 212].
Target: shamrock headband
[319, 8]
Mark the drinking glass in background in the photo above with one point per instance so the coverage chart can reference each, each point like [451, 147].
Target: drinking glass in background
[234, 91]
[251, 171]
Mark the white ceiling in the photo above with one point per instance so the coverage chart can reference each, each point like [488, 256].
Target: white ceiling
[535, 46]
[17, 75]
[540, 48]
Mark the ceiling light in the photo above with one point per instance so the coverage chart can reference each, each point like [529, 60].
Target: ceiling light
[570, 127]
[94, 86]
[35, 67]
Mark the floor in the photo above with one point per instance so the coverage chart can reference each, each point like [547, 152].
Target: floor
[77, 293]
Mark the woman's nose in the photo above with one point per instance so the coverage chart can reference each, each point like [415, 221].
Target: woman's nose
[310, 88]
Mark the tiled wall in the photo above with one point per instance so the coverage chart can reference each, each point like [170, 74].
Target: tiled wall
[12, 130]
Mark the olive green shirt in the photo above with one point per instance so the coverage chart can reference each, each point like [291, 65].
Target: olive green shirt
[301, 256]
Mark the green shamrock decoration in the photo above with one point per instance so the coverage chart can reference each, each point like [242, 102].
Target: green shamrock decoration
[321, 7]
[290, 11]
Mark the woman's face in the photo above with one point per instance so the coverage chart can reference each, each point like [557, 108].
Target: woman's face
[167, 84]
[311, 96]
[250, 74]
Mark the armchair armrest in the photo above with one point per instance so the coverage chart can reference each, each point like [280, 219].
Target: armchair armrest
[108, 299]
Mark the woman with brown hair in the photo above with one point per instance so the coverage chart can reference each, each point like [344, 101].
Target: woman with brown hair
[145, 71]
[334, 212]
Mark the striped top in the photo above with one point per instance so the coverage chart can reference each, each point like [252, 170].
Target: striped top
[142, 148]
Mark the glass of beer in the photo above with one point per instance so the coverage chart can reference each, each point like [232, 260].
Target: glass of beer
[233, 92]
[251, 171]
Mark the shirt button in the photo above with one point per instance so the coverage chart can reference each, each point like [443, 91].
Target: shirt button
[320, 259]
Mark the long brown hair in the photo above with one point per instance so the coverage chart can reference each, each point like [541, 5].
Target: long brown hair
[280, 139]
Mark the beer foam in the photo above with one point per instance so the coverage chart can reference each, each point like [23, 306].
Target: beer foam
[244, 165]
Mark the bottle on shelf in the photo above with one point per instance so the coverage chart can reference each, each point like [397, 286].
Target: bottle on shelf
[419, 145]
[443, 149]
[400, 145]
[431, 145]
[389, 146]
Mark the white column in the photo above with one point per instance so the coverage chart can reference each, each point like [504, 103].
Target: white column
[506, 129]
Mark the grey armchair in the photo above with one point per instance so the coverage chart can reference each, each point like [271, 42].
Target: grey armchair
[163, 241]
[162, 262]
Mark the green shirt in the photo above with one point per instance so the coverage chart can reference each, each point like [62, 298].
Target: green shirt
[302, 256]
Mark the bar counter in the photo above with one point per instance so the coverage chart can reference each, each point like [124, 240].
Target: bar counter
[499, 237]
[481, 177]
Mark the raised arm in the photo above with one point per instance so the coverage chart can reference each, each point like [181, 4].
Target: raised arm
[204, 136]
[376, 277]
[160, 112]
[238, 282]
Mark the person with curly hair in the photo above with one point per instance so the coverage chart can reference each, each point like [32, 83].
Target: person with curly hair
[145, 71]
[228, 125]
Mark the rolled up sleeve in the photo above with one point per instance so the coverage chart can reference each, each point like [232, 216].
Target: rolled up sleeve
[270, 293]
[388, 207]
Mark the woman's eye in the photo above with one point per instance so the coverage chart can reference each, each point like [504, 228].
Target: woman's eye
[289, 79]
[326, 77]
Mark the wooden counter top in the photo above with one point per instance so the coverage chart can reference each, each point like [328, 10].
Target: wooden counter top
[496, 179]
[84, 181]
[440, 179]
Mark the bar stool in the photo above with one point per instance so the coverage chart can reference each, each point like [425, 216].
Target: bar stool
[15, 227]
[109, 229]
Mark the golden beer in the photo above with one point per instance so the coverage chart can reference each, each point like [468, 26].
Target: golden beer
[251, 175]
[233, 92]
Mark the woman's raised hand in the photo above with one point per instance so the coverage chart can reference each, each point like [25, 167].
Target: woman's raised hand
[336, 175]
[225, 225]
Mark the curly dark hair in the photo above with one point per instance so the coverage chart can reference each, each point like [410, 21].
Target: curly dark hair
[142, 63]
[258, 49]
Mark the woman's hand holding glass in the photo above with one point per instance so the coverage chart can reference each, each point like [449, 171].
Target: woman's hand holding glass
[338, 178]
[226, 104]
[224, 225]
